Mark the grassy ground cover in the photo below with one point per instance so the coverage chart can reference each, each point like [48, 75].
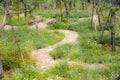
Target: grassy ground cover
[56, 14]
[29, 39]
[89, 50]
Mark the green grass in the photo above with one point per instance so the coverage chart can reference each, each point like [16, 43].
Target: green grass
[73, 24]
[21, 21]
[1, 18]
[89, 49]
[61, 71]
[29, 40]
[56, 14]
[25, 72]
[76, 72]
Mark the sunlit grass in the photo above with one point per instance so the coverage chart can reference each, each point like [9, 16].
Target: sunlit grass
[29, 39]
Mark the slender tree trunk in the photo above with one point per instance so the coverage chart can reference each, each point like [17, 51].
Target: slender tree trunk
[18, 6]
[92, 14]
[66, 8]
[103, 28]
[61, 15]
[83, 6]
[1, 67]
[16, 39]
[25, 10]
[70, 5]
[113, 38]
[113, 15]
[6, 13]
[74, 3]
[30, 12]
[54, 4]
[88, 1]
[99, 19]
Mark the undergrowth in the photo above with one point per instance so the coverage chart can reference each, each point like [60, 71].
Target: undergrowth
[29, 39]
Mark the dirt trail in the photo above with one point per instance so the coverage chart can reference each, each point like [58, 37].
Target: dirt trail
[43, 24]
[44, 59]
[42, 56]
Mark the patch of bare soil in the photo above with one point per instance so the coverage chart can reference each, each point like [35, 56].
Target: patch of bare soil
[42, 56]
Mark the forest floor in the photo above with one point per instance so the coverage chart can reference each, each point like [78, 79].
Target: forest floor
[43, 57]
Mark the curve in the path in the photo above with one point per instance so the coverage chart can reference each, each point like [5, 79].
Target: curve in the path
[42, 56]
[44, 60]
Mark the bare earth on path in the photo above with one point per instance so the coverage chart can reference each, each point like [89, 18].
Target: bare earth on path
[43, 58]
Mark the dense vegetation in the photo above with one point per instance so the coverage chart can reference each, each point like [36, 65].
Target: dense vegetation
[95, 56]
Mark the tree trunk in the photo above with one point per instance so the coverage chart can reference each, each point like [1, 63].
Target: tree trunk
[113, 15]
[112, 38]
[16, 39]
[74, 3]
[83, 6]
[88, 1]
[6, 13]
[1, 67]
[54, 4]
[70, 5]
[30, 12]
[92, 14]
[99, 19]
[18, 6]
[66, 8]
[25, 10]
[61, 15]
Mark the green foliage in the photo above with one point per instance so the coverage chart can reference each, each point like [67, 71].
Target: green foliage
[47, 13]
[20, 21]
[88, 49]
[56, 14]
[75, 25]
[65, 71]
[29, 40]
[65, 51]
[25, 72]
[80, 13]
[10, 62]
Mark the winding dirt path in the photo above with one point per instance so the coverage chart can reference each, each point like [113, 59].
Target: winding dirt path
[42, 56]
